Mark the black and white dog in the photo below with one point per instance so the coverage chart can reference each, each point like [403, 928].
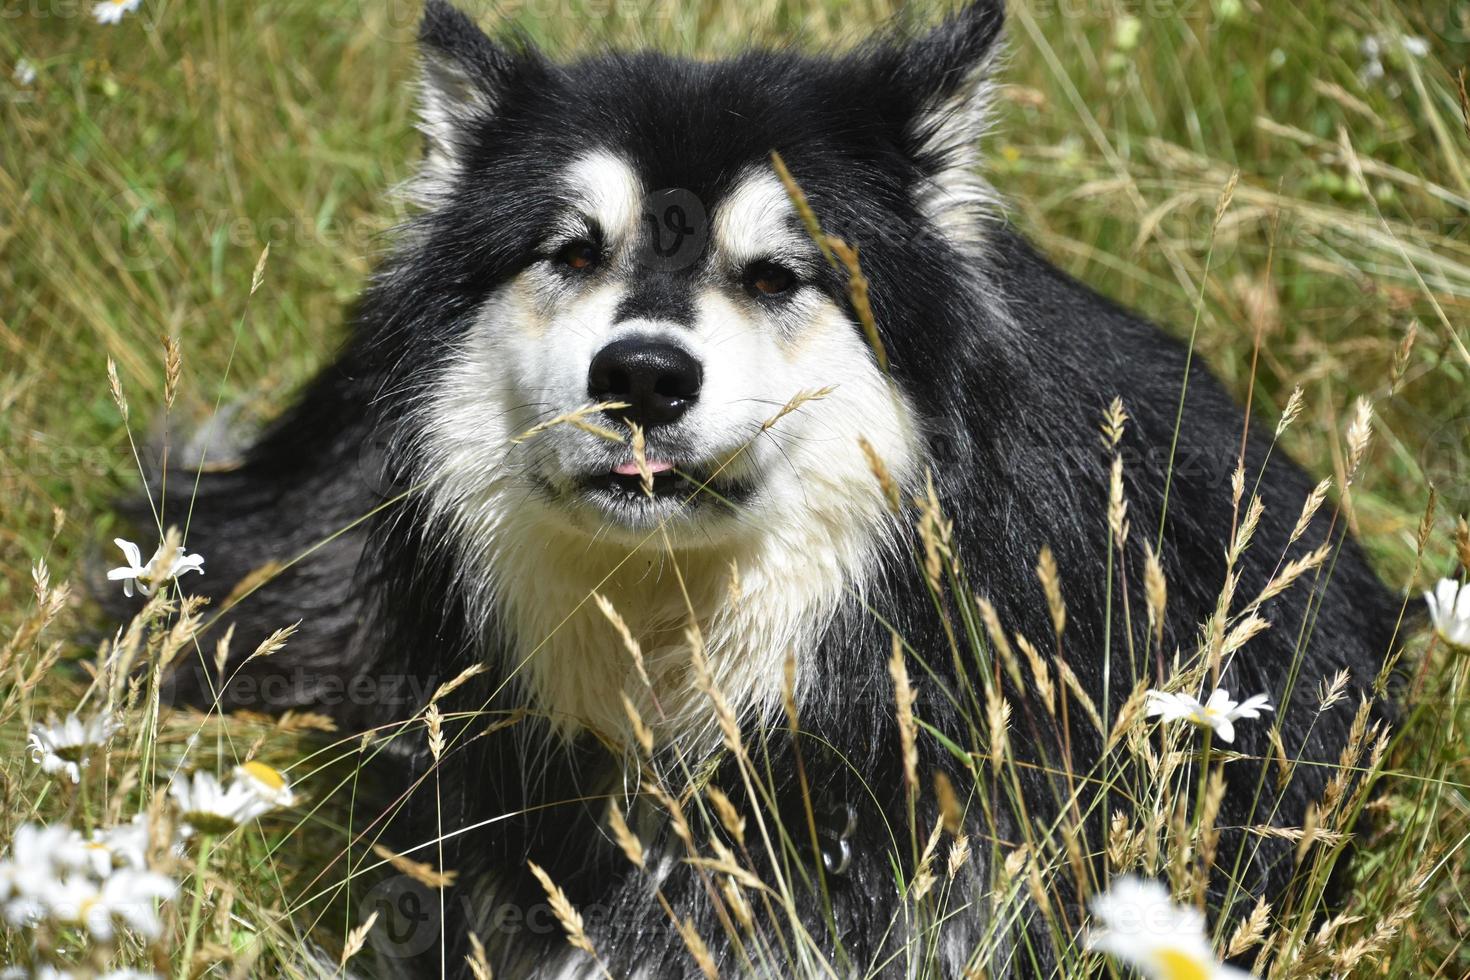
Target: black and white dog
[612, 231]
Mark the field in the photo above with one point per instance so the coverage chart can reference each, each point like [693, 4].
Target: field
[147, 165]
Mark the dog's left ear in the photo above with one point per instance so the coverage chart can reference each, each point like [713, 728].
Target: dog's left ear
[943, 80]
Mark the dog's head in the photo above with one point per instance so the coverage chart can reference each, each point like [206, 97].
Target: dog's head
[614, 234]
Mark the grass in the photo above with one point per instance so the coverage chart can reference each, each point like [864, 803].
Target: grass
[149, 164]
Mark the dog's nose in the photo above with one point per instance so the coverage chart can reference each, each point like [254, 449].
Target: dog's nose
[657, 380]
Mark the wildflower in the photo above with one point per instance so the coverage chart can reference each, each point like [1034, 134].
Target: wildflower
[113, 11]
[64, 746]
[1219, 713]
[38, 854]
[1138, 924]
[24, 74]
[123, 846]
[208, 807]
[126, 896]
[145, 576]
[1449, 611]
[267, 782]
[1374, 46]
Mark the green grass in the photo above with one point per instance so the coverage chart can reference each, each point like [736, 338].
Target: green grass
[148, 165]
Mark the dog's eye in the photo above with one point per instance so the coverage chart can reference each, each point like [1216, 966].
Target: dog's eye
[579, 255]
[769, 279]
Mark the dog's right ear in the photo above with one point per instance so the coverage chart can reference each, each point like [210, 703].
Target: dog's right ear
[464, 82]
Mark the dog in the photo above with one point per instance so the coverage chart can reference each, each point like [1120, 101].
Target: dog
[611, 472]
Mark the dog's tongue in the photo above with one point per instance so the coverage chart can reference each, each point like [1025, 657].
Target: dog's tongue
[630, 468]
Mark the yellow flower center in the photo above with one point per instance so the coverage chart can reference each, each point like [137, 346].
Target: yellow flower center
[1176, 964]
[271, 777]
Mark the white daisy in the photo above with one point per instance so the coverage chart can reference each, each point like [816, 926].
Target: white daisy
[1219, 713]
[1449, 611]
[267, 782]
[207, 807]
[1136, 923]
[38, 854]
[145, 576]
[24, 74]
[113, 11]
[125, 896]
[123, 846]
[66, 745]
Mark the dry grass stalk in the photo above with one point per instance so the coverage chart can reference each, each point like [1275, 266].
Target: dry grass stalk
[1360, 432]
[1251, 931]
[1115, 420]
[1401, 358]
[1426, 524]
[959, 856]
[173, 369]
[886, 482]
[641, 732]
[1040, 675]
[435, 723]
[637, 442]
[697, 948]
[1292, 410]
[456, 682]
[857, 292]
[251, 581]
[576, 417]
[355, 940]
[1129, 715]
[903, 696]
[796, 401]
[1117, 505]
[1074, 686]
[998, 639]
[704, 680]
[924, 878]
[566, 914]
[803, 207]
[257, 277]
[951, 813]
[476, 959]
[425, 874]
[730, 817]
[1309, 508]
[1156, 591]
[735, 900]
[632, 847]
[1288, 575]
[1051, 585]
[1223, 204]
[1462, 543]
[998, 722]
[677, 819]
[115, 386]
[274, 643]
[1331, 690]
[1243, 632]
[1246, 531]
[630, 643]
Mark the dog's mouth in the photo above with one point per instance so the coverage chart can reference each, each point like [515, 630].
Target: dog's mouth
[665, 480]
